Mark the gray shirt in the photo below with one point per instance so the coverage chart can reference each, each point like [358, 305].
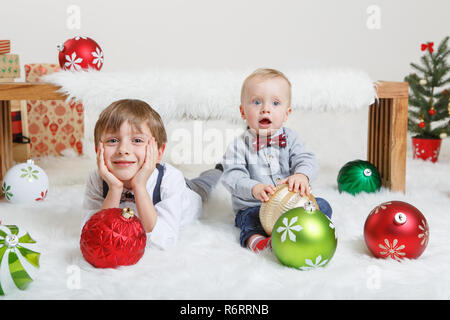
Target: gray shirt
[244, 167]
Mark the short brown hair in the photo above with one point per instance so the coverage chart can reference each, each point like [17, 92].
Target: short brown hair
[132, 110]
[266, 73]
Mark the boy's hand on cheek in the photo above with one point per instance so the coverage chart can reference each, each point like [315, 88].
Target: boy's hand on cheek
[104, 172]
[151, 157]
[263, 191]
[297, 183]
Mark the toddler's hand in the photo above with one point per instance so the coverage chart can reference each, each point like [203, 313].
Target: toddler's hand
[104, 172]
[149, 164]
[262, 191]
[297, 183]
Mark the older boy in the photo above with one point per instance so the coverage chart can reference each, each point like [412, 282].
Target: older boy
[130, 139]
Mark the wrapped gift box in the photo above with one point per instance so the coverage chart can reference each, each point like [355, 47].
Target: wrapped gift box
[5, 46]
[53, 125]
[9, 66]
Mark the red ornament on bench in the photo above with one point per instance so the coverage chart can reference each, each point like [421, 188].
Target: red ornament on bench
[80, 53]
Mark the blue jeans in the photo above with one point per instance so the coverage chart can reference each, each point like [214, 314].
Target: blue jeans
[248, 220]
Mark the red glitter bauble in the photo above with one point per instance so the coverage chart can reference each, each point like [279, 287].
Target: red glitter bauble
[80, 53]
[113, 237]
[396, 230]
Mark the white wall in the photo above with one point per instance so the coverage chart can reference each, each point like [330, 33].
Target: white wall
[232, 33]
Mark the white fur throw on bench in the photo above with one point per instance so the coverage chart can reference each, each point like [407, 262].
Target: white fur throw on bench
[212, 94]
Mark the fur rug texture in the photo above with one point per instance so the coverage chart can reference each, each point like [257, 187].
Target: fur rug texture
[208, 262]
[207, 95]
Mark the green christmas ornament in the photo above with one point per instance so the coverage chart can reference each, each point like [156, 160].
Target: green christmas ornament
[304, 238]
[357, 176]
[19, 264]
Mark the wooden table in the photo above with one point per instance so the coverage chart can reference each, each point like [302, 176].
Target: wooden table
[19, 91]
[386, 138]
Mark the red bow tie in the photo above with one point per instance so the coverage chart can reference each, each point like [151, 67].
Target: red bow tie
[428, 46]
[261, 142]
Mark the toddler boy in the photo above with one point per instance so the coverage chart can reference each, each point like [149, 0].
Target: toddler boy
[265, 155]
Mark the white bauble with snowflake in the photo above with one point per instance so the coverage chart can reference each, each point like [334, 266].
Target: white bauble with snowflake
[25, 183]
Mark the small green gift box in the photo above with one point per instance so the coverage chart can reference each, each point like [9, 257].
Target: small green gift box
[9, 66]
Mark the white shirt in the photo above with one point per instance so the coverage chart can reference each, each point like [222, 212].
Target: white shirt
[179, 205]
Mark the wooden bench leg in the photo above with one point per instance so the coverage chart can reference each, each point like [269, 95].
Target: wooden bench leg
[6, 157]
[386, 140]
[399, 124]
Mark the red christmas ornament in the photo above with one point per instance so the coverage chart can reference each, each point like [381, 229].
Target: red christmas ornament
[396, 230]
[113, 237]
[422, 124]
[80, 53]
[432, 111]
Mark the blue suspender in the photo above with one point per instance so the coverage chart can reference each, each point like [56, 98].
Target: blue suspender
[156, 192]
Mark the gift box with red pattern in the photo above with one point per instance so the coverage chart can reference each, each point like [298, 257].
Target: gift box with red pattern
[53, 125]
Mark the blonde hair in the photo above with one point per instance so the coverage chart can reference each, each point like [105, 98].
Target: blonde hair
[265, 73]
[136, 112]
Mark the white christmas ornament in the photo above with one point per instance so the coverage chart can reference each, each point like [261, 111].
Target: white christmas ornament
[25, 183]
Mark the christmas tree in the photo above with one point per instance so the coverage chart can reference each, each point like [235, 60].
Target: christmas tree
[429, 108]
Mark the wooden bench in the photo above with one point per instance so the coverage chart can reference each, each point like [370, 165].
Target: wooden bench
[386, 139]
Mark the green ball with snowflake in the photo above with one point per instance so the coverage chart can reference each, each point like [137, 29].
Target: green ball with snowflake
[304, 238]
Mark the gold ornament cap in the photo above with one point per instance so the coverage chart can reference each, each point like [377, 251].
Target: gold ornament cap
[281, 201]
[127, 213]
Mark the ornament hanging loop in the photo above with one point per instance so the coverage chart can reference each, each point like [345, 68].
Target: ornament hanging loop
[310, 206]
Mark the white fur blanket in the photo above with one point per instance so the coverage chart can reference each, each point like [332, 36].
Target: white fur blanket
[180, 94]
[213, 94]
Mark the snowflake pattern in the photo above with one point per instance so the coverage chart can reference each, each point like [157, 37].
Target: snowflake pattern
[436, 153]
[314, 265]
[382, 206]
[288, 226]
[331, 225]
[29, 174]
[98, 57]
[393, 251]
[7, 191]
[43, 196]
[425, 233]
[417, 150]
[72, 62]
[418, 153]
